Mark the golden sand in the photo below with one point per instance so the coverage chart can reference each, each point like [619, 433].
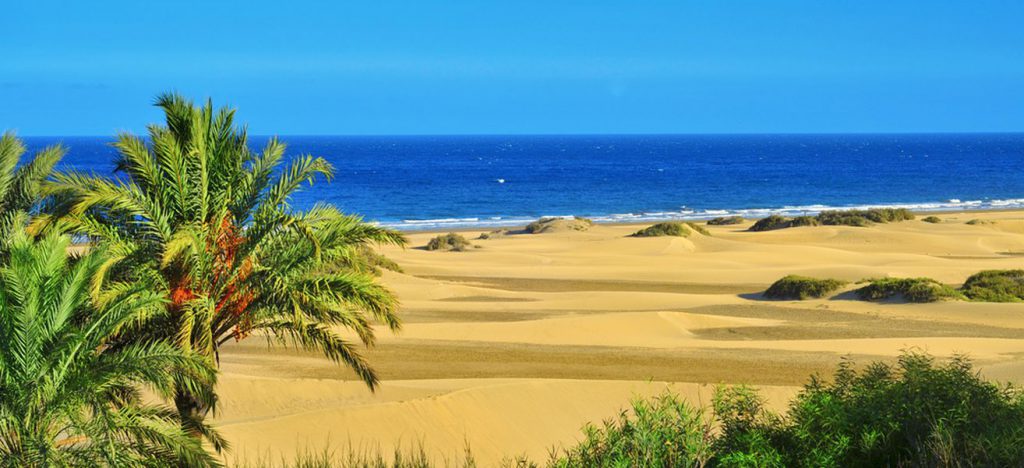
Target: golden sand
[512, 346]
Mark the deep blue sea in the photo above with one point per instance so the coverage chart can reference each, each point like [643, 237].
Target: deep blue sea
[434, 182]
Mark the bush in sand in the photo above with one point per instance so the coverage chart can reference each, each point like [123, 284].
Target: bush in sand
[932, 219]
[857, 218]
[770, 223]
[995, 286]
[916, 412]
[700, 229]
[801, 221]
[725, 221]
[664, 229]
[545, 225]
[794, 287]
[910, 289]
[449, 242]
[979, 222]
[494, 234]
[864, 217]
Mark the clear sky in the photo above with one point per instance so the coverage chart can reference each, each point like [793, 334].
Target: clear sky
[454, 67]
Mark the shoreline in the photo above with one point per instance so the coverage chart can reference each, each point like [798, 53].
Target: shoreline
[629, 223]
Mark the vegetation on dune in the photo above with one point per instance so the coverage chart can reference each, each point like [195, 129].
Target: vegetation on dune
[544, 225]
[794, 287]
[725, 221]
[858, 218]
[843, 218]
[21, 187]
[979, 222]
[368, 260]
[415, 456]
[864, 217]
[801, 221]
[208, 223]
[909, 289]
[494, 234]
[70, 387]
[770, 223]
[916, 412]
[664, 229]
[449, 242]
[700, 229]
[932, 219]
[995, 286]
[665, 431]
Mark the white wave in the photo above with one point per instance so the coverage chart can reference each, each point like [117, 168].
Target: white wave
[688, 214]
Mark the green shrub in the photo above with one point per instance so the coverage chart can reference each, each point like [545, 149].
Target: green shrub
[366, 257]
[725, 221]
[494, 234]
[451, 241]
[662, 432]
[979, 222]
[910, 289]
[559, 224]
[995, 286]
[859, 218]
[844, 218]
[916, 412]
[364, 456]
[749, 434]
[700, 229]
[913, 413]
[801, 221]
[770, 223]
[801, 287]
[932, 219]
[663, 229]
[862, 218]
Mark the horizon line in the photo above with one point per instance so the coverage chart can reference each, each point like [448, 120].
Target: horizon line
[638, 134]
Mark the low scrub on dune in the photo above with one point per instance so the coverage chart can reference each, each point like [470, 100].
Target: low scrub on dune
[449, 242]
[979, 222]
[794, 287]
[494, 234]
[770, 223]
[665, 432]
[725, 221]
[700, 229]
[932, 219]
[909, 289]
[366, 259]
[414, 456]
[843, 218]
[664, 229]
[801, 221]
[864, 217]
[545, 225]
[995, 286]
[857, 218]
[916, 412]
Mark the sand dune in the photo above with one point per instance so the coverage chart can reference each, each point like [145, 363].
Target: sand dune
[511, 347]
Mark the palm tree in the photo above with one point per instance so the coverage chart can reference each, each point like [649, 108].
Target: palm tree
[68, 397]
[209, 221]
[21, 187]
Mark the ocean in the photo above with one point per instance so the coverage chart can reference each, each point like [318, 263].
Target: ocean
[439, 182]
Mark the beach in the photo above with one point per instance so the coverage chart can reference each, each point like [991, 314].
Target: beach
[509, 347]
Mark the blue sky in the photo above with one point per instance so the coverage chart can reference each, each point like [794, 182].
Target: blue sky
[453, 67]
